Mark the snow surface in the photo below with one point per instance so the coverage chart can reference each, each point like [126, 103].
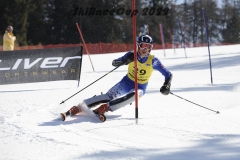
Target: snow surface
[168, 128]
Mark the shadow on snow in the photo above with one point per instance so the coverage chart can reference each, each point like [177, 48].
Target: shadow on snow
[77, 119]
[213, 148]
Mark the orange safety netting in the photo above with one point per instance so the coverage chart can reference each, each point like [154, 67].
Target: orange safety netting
[100, 48]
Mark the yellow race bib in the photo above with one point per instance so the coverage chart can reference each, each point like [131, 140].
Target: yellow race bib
[144, 70]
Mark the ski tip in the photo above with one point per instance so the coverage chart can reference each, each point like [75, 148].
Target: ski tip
[102, 117]
[218, 112]
[63, 116]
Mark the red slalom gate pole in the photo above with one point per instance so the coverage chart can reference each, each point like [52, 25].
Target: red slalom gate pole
[169, 30]
[162, 38]
[79, 30]
[135, 58]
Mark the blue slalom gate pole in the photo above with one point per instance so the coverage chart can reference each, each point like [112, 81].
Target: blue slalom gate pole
[162, 38]
[173, 42]
[183, 42]
[207, 39]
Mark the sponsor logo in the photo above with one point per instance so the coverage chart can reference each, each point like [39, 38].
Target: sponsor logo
[35, 73]
[46, 63]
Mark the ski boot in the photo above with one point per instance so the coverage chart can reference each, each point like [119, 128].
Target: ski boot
[71, 112]
[101, 110]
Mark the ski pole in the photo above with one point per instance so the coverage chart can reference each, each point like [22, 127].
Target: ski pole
[195, 103]
[89, 85]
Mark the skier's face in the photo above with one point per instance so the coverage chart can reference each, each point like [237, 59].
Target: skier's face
[143, 52]
[144, 49]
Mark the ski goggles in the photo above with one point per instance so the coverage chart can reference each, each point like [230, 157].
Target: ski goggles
[145, 45]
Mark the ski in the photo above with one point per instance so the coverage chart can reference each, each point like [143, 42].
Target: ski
[102, 117]
[86, 110]
[63, 116]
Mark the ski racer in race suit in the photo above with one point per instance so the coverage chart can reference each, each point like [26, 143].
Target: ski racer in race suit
[122, 93]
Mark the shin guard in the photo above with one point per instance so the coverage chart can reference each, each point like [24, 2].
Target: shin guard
[91, 102]
[120, 102]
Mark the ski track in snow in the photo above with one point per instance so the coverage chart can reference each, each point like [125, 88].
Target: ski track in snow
[168, 127]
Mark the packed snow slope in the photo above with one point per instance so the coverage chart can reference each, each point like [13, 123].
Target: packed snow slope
[168, 128]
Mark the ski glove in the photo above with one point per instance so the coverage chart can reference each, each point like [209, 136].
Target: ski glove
[117, 62]
[129, 58]
[165, 89]
[126, 61]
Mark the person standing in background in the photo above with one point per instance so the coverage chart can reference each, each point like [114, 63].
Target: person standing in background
[8, 39]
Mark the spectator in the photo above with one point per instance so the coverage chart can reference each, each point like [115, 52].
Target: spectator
[8, 39]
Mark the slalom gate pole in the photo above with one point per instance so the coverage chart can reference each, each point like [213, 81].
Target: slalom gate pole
[162, 38]
[135, 59]
[207, 39]
[180, 27]
[80, 68]
[194, 103]
[89, 85]
[79, 30]
[172, 41]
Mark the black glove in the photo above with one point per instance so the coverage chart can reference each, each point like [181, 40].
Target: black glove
[117, 63]
[165, 89]
[129, 58]
[126, 61]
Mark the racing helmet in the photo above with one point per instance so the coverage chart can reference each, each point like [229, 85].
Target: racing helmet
[145, 41]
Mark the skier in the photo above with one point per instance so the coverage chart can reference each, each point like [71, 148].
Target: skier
[123, 93]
